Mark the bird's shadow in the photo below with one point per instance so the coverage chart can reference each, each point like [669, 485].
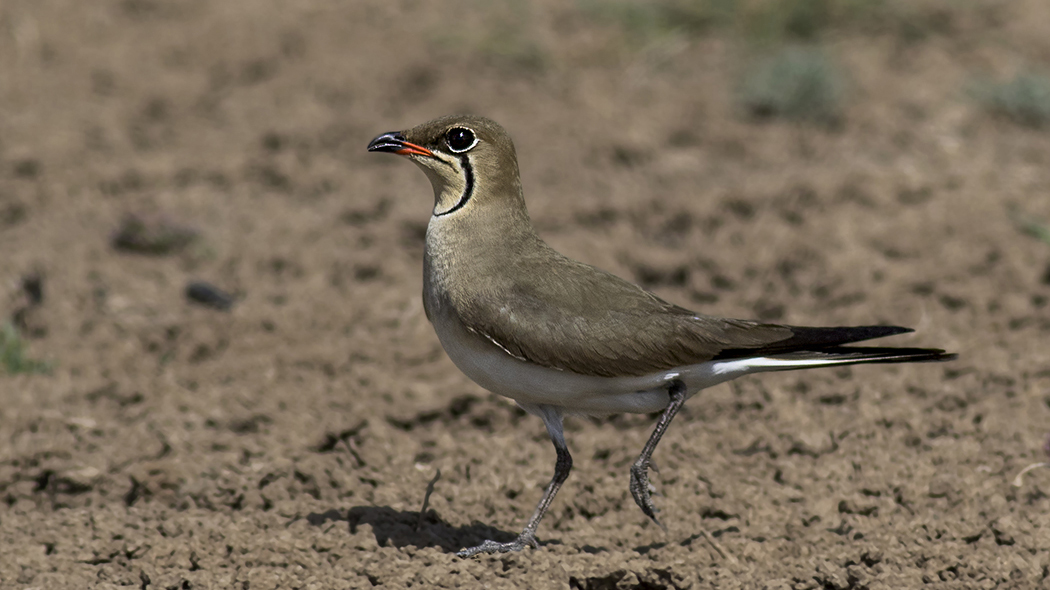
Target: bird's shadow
[401, 528]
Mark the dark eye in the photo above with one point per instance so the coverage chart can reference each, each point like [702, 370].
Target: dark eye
[460, 139]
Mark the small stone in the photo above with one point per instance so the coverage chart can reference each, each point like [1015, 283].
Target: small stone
[940, 489]
[209, 295]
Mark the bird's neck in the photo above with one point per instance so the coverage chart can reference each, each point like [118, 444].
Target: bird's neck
[476, 245]
[485, 230]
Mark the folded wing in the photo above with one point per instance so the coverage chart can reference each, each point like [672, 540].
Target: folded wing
[574, 317]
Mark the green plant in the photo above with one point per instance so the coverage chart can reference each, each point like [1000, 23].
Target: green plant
[1025, 99]
[13, 357]
[795, 83]
[1029, 225]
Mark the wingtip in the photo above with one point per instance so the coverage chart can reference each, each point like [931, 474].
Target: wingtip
[890, 330]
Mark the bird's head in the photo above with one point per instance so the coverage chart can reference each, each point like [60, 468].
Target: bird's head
[469, 160]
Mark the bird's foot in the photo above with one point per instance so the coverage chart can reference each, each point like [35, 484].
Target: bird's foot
[641, 489]
[525, 539]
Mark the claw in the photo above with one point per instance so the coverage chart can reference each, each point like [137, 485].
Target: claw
[525, 539]
[641, 491]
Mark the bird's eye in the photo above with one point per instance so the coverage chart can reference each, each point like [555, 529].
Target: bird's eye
[460, 139]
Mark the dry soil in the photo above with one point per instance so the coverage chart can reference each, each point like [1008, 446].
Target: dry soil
[288, 442]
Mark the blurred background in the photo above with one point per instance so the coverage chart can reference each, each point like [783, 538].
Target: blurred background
[211, 326]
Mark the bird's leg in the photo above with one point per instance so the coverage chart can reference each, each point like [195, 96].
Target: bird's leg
[552, 418]
[640, 469]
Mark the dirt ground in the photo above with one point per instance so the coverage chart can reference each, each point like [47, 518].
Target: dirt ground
[289, 441]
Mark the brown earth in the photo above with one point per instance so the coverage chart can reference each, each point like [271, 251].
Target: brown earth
[288, 442]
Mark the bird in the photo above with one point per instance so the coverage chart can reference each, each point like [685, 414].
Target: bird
[561, 337]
